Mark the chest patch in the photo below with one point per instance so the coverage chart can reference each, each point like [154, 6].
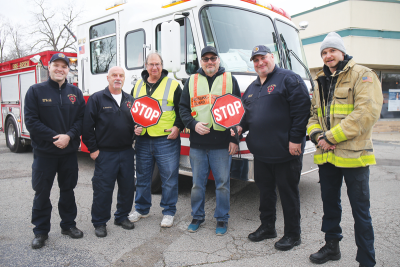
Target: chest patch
[72, 98]
[271, 88]
[129, 104]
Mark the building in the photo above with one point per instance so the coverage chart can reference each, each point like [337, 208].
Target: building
[371, 32]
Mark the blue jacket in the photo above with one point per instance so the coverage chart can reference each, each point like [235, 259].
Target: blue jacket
[277, 112]
[50, 110]
[107, 126]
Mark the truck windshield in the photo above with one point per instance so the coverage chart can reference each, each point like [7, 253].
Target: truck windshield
[291, 41]
[235, 32]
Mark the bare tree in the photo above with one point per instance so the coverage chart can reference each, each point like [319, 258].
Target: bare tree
[49, 31]
[17, 48]
[4, 34]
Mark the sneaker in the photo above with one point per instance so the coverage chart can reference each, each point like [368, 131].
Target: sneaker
[222, 228]
[167, 221]
[329, 252]
[287, 243]
[135, 216]
[194, 225]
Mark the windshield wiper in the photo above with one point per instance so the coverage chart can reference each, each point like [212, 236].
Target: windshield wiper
[288, 52]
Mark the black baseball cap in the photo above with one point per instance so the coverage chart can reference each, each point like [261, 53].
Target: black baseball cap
[259, 50]
[60, 56]
[209, 49]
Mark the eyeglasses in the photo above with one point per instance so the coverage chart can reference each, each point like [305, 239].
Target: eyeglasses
[206, 59]
[154, 65]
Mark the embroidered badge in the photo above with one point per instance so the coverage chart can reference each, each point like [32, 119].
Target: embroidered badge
[46, 100]
[129, 104]
[367, 79]
[72, 98]
[61, 55]
[250, 95]
[271, 88]
[256, 49]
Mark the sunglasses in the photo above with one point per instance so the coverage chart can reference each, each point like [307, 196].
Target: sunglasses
[206, 59]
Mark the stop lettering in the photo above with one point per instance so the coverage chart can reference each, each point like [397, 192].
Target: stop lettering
[146, 111]
[227, 110]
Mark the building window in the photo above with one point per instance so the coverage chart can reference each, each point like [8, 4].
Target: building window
[134, 42]
[391, 95]
[103, 47]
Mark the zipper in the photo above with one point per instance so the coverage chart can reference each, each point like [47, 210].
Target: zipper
[59, 89]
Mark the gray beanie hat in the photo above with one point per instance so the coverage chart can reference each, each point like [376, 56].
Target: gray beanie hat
[333, 40]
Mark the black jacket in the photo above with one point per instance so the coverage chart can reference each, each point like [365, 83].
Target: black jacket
[177, 96]
[276, 113]
[215, 139]
[107, 126]
[50, 110]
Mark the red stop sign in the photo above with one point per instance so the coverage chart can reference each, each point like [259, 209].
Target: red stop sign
[146, 111]
[227, 110]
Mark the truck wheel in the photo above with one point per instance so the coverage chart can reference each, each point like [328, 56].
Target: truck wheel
[12, 139]
[156, 181]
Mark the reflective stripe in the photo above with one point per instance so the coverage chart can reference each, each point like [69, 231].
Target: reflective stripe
[313, 127]
[164, 106]
[223, 84]
[338, 134]
[344, 109]
[344, 162]
[196, 77]
[139, 88]
[320, 112]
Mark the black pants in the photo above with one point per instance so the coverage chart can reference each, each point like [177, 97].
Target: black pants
[43, 173]
[357, 182]
[110, 167]
[286, 177]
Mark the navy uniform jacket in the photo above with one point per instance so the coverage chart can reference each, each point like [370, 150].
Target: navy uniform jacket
[107, 126]
[277, 112]
[50, 110]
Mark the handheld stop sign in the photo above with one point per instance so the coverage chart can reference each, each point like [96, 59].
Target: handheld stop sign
[227, 110]
[146, 111]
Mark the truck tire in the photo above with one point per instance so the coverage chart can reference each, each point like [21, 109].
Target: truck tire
[156, 183]
[12, 139]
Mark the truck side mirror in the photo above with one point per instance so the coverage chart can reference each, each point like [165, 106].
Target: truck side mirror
[171, 46]
[303, 25]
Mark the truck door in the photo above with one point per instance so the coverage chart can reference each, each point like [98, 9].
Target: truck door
[26, 80]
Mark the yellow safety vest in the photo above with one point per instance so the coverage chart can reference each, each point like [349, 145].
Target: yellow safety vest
[164, 93]
[202, 99]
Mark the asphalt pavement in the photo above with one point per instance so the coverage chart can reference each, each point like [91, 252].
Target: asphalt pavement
[150, 245]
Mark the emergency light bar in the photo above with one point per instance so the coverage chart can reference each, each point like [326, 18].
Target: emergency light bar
[262, 3]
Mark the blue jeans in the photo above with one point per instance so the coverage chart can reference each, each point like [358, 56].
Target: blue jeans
[165, 152]
[110, 167]
[357, 181]
[219, 161]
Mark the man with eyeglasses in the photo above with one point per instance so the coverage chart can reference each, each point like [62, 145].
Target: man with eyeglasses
[159, 144]
[211, 146]
[277, 108]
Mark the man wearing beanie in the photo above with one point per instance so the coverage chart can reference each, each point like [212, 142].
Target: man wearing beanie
[345, 106]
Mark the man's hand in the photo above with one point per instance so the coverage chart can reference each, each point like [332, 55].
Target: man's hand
[62, 140]
[174, 132]
[201, 129]
[138, 130]
[95, 154]
[232, 148]
[294, 149]
[324, 145]
[239, 129]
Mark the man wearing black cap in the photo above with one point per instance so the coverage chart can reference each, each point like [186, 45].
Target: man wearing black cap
[54, 113]
[277, 109]
[211, 146]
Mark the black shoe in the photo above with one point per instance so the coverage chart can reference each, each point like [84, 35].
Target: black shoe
[38, 241]
[362, 265]
[100, 231]
[287, 242]
[329, 252]
[265, 231]
[126, 224]
[73, 232]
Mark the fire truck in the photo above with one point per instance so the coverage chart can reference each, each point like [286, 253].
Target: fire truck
[128, 31]
[16, 76]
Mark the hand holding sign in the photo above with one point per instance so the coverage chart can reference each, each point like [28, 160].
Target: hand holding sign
[146, 111]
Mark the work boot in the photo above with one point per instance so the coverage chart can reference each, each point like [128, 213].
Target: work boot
[38, 241]
[329, 252]
[265, 231]
[288, 242]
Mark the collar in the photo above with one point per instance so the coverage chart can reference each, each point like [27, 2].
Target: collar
[258, 81]
[56, 85]
[108, 93]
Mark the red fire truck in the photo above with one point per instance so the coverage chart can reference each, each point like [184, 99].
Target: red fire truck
[16, 76]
